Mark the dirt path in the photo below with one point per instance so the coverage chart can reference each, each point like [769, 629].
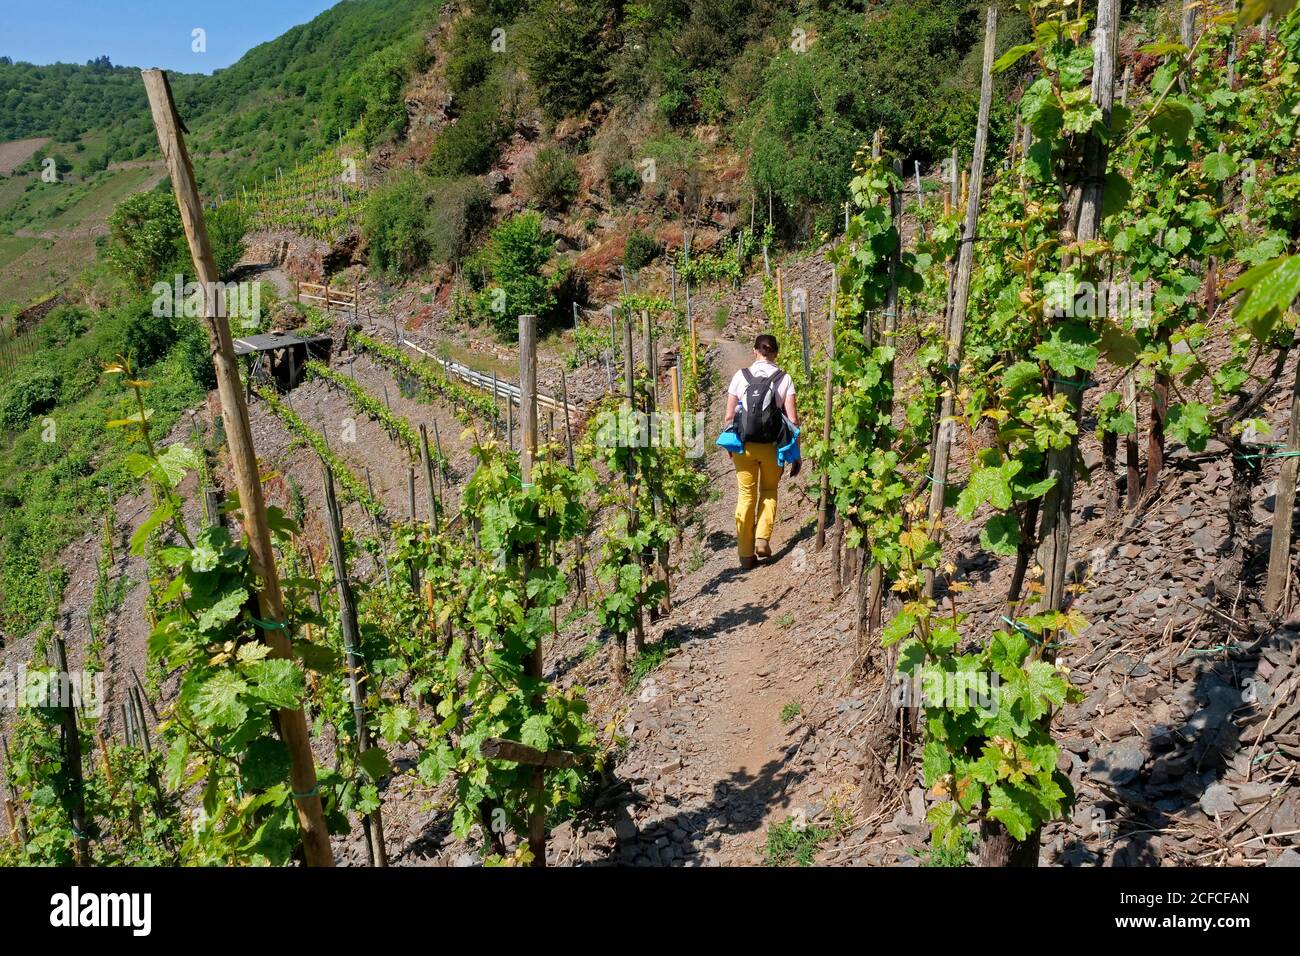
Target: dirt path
[715, 755]
[743, 737]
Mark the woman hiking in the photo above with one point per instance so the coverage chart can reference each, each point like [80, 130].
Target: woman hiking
[756, 399]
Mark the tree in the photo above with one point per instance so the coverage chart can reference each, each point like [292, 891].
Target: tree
[567, 65]
[513, 260]
[396, 224]
[145, 238]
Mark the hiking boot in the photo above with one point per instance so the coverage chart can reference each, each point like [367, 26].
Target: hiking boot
[761, 548]
[748, 562]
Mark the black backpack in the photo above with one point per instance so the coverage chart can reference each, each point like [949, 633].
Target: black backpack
[760, 415]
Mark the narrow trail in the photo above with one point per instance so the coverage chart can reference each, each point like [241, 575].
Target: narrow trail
[711, 759]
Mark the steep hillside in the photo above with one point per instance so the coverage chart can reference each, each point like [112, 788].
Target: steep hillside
[283, 103]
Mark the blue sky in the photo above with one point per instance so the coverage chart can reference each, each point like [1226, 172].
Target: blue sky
[146, 33]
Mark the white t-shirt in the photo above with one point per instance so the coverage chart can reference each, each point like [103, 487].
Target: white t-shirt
[760, 369]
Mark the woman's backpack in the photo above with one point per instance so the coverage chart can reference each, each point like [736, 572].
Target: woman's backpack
[760, 414]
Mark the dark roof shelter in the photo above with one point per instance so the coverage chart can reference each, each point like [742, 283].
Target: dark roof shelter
[282, 356]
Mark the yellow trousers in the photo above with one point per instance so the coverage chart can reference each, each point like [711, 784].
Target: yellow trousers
[757, 475]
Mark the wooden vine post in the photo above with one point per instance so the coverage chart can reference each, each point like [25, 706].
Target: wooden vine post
[956, 332]
[655, 561]
[13, 806]
[243, 459]
[70, 747]
[580, 572]
[1279, 553]
[618, 658]
[828, 402]
[1134, 483]
[373, 823]
[997, 847]
[675, 395]
[426, 459]
[534, 666]
[1054, 531]
[803, 339]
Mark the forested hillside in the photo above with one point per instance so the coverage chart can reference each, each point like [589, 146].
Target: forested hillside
[282, 102]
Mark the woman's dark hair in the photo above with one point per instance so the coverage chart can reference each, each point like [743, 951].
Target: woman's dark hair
[767, 345]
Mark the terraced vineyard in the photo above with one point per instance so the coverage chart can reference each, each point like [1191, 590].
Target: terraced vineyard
[1032, 602]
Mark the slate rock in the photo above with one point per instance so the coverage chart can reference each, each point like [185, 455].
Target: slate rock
[1246, 793]
[1217, 800]
[1116, 764]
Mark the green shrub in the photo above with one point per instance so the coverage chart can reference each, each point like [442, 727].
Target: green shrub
[470, 59]
[624, 182]
[28, 398]
[640, 250]
[62, 325]
[551, 180]
[396, 224]
[380, 83]
[148, 337]
[226, 228]
[146, 238]
[147, 241]
[194, 354]
[463, 206]
[469, 146]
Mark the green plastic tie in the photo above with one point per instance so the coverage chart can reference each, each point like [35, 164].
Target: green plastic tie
[1082, 386]
[1270, 454]
[1030, 634]
[313, 792]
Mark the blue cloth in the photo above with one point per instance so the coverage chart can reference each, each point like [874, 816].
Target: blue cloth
[788, 452]
[787, 444]
[730, 441]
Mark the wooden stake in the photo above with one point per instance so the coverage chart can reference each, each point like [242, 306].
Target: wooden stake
[648, 353]
[803, 337]
[17, 820]
[618, 642]
[414, 567]
[427, 460]
[142, 726]
[410, 492]
[535, 666]
[961, 291]
[11, 817]
[243, 458]
[580, 572]
[675, 393]
[828, 394]
[373, 822]
[128, 725]
[1279, 554]
[1054, 530]
[70, 750]
[1134, 483]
